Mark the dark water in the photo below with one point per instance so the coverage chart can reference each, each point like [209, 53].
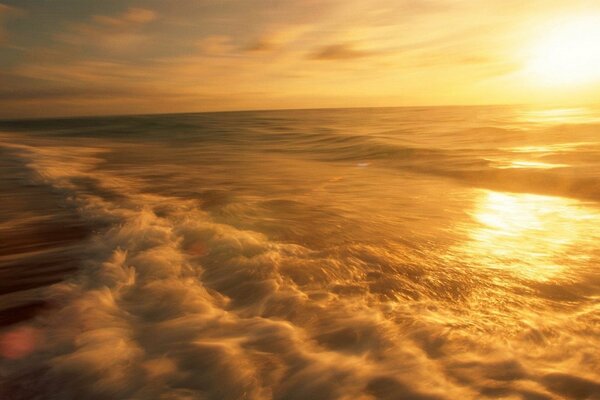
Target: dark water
[414, 253]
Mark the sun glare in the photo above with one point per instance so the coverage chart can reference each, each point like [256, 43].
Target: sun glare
[530, 235]
[567, 53]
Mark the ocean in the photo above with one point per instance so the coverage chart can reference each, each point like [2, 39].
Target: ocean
[378, 253]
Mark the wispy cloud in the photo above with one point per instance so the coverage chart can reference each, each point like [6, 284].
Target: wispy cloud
[215, 45]
[131, 16]
[120, 32]
[276, 38]
[5, 12]
[312, 52]
[340, 51]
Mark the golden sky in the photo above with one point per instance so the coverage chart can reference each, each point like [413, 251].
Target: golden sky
[72, 57]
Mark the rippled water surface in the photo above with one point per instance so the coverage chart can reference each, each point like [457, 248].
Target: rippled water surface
[410, 253]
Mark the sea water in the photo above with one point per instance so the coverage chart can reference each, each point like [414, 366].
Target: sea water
[386, 253]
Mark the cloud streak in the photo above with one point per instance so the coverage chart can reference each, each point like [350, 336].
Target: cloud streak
[308, 52]
[340, 51]
[6, 12]
[122, 32]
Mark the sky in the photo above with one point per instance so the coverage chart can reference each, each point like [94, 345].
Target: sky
[73, 57]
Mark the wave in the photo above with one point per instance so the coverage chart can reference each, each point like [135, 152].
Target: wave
[170, 304]
[553, 170]
[174, 306]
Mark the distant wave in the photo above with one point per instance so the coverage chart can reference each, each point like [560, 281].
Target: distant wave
[471, 164]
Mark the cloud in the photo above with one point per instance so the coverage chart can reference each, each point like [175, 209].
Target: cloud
[304, 52]
[4, 12]
[4, 9]
[131, 16]
[215, 44]
[277, 37]
[113, 33]
[261, 45]
[91, 86]
[74, 93]
[340, 51]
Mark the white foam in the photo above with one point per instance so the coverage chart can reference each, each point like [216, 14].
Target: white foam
[178, 306]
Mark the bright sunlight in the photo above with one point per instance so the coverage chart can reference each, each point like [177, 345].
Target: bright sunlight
[568, 53]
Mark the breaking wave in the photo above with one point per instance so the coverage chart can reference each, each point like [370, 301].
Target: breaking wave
[170, 301]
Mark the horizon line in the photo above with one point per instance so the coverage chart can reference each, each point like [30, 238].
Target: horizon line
[89, 116]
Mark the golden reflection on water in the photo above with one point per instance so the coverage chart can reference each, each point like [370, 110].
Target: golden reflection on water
[536, 237]
[550, 148]
[576, 115]
[529, 164]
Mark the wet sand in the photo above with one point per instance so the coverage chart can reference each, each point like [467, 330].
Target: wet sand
[41, 238]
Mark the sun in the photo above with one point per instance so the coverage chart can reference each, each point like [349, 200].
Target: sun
[567, 53]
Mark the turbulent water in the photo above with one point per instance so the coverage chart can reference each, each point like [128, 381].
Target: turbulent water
[412, 253]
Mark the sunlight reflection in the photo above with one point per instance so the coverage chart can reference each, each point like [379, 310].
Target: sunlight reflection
[529, 164]
[550, 148]
[560, 116]
[534, 236]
